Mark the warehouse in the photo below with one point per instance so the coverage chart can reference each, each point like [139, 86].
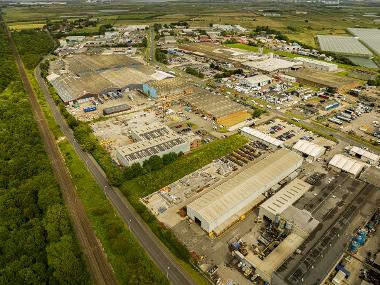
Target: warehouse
[317, 64]
[257, 80]
[222, 206]
[365, 155]
[256, 135]
[167, 87]
[283, 199]
[311, 150]
[225, 112]
[271, 64]
[153, 139]
[343, 163]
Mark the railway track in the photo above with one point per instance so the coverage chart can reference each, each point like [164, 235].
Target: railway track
[100, 270]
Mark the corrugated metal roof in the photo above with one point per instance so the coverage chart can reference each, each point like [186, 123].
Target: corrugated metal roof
[365, 153]
[239, 191]
[347, 164]
[286, 197]
[262, 136]
[309, 148]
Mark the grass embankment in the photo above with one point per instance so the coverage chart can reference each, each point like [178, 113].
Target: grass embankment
[265, 50]
[128, 258]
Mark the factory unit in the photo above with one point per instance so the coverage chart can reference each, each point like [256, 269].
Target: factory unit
[222, 206]
[154, 139]
[317, 64]
[271, 64]
[167, 87]
[364, 155]
[257, 80]
[256, 135]
[116, 109]
[343, 163]
[272, 208]
[310, 150]
[224, 111]
[296, 224]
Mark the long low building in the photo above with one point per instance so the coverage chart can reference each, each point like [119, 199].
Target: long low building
[154, 139]
[364, 155]
[222, 206]
[317, 64]
[341, 162]
[254, 134]
[283, 199]
[311, 150]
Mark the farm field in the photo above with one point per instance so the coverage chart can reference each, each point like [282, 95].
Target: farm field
[299, 23]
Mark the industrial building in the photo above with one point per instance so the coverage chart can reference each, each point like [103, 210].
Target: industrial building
[310, 150]
[343, 163]
[298, 224]
[272, 64]
[86, 76]
[364, 155]
[222, 206]
[256, 135]
[154, 139]
[167, 87]
[273, 208]
[224, 111]
[317, 64]
[257, 80]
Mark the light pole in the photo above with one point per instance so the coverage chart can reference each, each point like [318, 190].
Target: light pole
[167, 273]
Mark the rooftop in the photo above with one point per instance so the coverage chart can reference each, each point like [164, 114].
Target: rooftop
[229, 197]
[347, 164]
[365, 153]
[309, 148]
[309, 60]
[286, 197]
[271, 64]
[258, 79]
[262, 136]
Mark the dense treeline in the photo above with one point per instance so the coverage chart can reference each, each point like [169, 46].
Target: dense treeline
[194, 72]
[32, 46]
[37, 244]
[7, 67]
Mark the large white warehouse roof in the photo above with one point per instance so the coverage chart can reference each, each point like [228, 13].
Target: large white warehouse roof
[309, 148]
[262, 136]
[222, 205]
[347, 164]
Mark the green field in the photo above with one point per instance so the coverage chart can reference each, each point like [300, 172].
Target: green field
[292, 22]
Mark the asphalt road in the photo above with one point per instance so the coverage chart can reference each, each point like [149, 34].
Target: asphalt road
[100, 270]
[153, 246]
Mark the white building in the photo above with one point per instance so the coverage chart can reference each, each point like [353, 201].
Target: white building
[273, 208]
[257, 80]
[271, 64]
[311, 150]
[154, 139]
[343, 163]
[225, 204]
[317, 64]
[365, 155]
[254, 134]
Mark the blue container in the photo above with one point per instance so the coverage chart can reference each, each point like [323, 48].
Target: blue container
[354, 246]
[89, 109]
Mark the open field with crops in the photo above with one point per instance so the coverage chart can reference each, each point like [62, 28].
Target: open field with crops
[298, 22]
